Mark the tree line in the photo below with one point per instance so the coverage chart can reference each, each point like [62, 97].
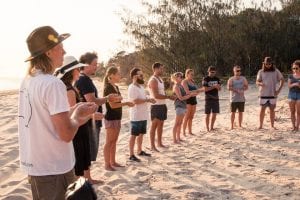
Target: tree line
[198, 33]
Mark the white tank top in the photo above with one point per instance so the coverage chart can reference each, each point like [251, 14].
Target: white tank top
[161, 90]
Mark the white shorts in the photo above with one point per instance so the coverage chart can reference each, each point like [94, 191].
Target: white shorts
[267, 102]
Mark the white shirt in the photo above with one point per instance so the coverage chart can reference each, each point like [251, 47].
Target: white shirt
[42, 152]
[161, 90]
[138, 112]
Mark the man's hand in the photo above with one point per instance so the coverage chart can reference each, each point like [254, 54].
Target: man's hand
[129, 104]
[152, 100]
[172, 97]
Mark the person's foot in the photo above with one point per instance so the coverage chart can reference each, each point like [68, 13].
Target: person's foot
[162, 146]
[273, 128]
[154, 149]
[93, 181]
[110, 168]
[181, 140]
[191, 133]
[116, 165]
[135, 159]
[184, 134]
[143, 153]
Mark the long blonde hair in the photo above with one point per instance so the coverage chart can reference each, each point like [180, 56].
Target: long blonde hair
[109, 71]
[41, 62]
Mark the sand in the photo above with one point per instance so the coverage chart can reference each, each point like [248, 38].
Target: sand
[225, 164]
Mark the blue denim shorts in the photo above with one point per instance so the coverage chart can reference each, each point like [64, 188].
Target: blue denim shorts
[138, 127]
[295, 96]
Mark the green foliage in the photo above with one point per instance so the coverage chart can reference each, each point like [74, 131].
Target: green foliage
[198, 33]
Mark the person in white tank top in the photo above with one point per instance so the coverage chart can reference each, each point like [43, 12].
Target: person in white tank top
[159, 109]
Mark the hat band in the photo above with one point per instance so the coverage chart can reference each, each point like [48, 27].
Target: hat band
[64, 68]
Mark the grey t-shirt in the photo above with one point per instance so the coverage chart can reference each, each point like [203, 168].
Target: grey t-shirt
[237, 84]
[269, 79]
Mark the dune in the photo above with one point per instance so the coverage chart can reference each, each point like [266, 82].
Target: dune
[242, 163]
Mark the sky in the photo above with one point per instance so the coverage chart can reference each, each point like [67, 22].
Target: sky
[94, 26]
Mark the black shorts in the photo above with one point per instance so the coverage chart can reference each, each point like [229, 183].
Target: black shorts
[138, 127]
[212, 106]
[191, 101]
[240, 106]
[159, 112]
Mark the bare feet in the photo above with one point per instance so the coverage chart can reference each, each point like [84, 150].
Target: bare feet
[191, 133]
[260, 127]
[162, 146]
[93, 181]
[116, 165]
[154, 149]
[184, 134]
[109, 168]
[273, 128]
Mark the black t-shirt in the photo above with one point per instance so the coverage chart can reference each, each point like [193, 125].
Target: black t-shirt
[209, 82]
[85, 85]
[112, 113]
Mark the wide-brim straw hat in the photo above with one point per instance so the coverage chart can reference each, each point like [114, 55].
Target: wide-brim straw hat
[43, 39]
[69, 64]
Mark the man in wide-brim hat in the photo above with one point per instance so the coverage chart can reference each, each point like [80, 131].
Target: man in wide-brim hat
[267, 79]
[46, 126]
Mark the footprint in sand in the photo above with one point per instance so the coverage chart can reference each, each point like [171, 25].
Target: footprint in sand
[196, 195]
[141, 174]
[116, 182]
[182, 187]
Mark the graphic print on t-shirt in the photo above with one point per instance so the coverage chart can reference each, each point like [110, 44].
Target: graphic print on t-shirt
[27, 119]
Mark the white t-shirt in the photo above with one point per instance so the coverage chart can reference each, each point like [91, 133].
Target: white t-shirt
[42, 152]
[138, 112]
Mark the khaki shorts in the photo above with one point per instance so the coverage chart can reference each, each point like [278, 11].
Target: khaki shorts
[52, 187]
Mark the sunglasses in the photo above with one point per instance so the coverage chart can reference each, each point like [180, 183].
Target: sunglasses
[295, 68]
[238, 70]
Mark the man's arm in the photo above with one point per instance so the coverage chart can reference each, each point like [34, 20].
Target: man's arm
[66, 126]
[90, 97]
[153, 85]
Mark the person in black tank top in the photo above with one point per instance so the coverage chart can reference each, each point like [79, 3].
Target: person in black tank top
[69, 73]
[189, 86]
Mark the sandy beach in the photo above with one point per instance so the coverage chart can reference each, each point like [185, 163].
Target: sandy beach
[225, 164]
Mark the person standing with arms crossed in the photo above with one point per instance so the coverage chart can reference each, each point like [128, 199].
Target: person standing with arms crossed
[46, 123]
[237, 85]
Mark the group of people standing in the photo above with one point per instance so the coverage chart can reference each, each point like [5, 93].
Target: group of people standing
[60, 110]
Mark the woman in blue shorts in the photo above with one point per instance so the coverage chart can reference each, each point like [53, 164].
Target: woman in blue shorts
[294, 94]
